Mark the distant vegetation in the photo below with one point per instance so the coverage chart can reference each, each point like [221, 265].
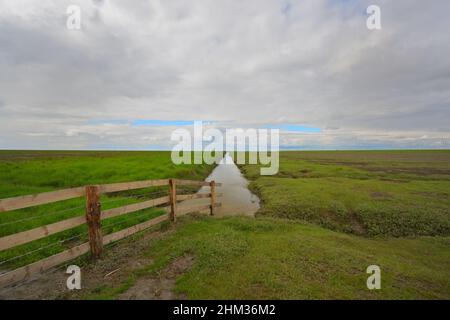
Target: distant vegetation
[372, 193]
[25, 172]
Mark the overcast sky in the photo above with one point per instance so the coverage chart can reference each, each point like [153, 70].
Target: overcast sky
[137, 68]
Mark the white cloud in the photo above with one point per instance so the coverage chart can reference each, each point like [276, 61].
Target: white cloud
[244, 63]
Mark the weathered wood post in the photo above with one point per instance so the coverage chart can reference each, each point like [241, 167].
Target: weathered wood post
[173, 199]
[213, 196]
[93, 212]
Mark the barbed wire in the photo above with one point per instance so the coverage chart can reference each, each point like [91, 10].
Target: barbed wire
[40, 248]
[65, 264]
[133, 217]
[78, 207]
[20, 284]
[135, 196]
[121, 221]
[110, 245]
[41, 216]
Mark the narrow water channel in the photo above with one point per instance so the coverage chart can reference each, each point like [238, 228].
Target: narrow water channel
[236, 198]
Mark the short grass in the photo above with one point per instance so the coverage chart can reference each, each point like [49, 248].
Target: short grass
[373, 193]
[268, 258]
[30, 172]
[324, 219]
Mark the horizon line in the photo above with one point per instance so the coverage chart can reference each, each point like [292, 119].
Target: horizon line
[281, 149]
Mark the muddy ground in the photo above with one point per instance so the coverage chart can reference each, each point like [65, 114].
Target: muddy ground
[115, 267]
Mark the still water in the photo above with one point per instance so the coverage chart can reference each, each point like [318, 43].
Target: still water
[236, 198]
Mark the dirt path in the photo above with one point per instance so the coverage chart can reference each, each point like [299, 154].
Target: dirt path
[114, 268]
[160, 287]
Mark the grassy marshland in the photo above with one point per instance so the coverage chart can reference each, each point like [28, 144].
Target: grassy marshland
[324, 218]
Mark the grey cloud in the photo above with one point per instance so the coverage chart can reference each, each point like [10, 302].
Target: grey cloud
[243, 64]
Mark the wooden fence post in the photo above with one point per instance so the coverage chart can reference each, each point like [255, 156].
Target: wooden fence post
[93, 213]
[173, 199]
[213, 196]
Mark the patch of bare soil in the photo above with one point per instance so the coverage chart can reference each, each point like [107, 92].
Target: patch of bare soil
[358, 226]
[437, 195]
[114, 267]
[423, 171]
[160, 287]
[344, 163]
[395, 180]
[405, 169]
[381, 195]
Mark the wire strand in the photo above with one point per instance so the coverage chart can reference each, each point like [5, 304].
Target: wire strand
[78, 207]
[134, 196]
[41, 216]
[135, 217]
[40, 248]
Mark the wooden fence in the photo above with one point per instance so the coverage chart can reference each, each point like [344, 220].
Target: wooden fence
[93, 218]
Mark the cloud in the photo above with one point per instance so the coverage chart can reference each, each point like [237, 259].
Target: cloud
[250, 63]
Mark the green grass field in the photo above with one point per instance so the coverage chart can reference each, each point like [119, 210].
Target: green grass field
[30, 172]
[371, 193]
[273, 258]
[268, 258]
[324, 219]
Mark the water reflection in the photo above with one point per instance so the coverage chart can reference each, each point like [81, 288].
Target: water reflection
[236, 198]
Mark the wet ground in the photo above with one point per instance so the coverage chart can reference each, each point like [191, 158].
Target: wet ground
[236, 198]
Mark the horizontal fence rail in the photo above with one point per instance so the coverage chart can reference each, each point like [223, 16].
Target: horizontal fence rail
[41, 198]
[123, 186]
[92, 218]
